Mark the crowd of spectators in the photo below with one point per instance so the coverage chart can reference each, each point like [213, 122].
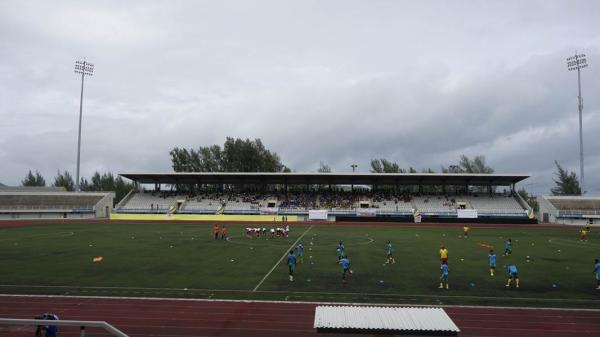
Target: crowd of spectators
[315, 199]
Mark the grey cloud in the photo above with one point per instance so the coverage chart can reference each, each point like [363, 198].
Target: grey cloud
[340, 82]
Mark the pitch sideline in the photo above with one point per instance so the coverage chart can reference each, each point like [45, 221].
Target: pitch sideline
[292, 302]
[291, 293]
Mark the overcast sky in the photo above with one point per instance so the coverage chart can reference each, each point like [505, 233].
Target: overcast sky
[339, 82]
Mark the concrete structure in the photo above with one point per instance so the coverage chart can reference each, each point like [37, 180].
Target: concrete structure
[372, 179]
[571, 210]
[38, 203]
[384, 196]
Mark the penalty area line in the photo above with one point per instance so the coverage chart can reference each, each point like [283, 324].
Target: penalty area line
[281, 259]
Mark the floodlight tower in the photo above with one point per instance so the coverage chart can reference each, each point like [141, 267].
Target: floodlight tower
[578, 62]
[85, 69]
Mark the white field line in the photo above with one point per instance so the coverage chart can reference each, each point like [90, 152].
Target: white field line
[289, 302]
[42, 236]
[281, 259]
[289, 293]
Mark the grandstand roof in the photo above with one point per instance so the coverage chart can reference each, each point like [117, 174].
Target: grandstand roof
[325, 178]
[32, 189]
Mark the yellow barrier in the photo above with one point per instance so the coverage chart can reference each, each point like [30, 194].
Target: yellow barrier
[202, 217]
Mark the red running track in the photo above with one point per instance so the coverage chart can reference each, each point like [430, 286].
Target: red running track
[52, 222]
[186, 318]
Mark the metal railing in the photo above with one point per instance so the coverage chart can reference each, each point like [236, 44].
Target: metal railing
[578, 212]
[81, 324]
[45, 207]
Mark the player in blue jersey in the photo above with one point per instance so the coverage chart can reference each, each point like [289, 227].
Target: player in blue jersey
[508, 247]
[341, 250]
[444, 277]
[492, 262]
[513, 274]
[345, 263]
[300, 252]
[291, 262]
[389, 252]
[597, 272]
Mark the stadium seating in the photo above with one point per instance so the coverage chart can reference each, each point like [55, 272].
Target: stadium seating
[393, 206]
[50, 203]
[150, 201]
[19, 201]
[572, 210]
[333, 201]
[202, 205]
[575, 204]
[493, 203]
[433, 204]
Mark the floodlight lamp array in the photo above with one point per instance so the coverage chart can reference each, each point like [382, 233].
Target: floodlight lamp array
[577, 62]
[85, 68]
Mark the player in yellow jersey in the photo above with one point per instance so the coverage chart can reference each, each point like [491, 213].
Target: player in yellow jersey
[583, 234]
[443, 254]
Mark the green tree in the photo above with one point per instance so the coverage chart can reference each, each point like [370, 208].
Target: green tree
[530, 199]
[65, 180]
[567, 182]
[236, 155]
[84, 184]
[107, 182]
[475, 165]
[33, 179]
[324, 168]
[468, 165]
[121, 188]
[385, 166]
[249, 156]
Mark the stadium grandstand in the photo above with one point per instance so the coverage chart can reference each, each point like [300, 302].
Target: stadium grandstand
[53, 203]
[403, 197]
[576, 210]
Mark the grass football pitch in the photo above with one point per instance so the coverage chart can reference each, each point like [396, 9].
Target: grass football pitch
[184, 260]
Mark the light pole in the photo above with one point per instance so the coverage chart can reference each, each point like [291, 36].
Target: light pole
[354, 166]
[579, 62]
[85, 69]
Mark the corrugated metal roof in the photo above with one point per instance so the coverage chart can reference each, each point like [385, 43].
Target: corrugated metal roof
[383, 318]
[338, 178]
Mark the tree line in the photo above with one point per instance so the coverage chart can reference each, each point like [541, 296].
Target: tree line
[104, 182]
[465, 164]
[236, 155]
[246, 155]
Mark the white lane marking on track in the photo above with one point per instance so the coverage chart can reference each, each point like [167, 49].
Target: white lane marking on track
[290, 302]
[293, 293]
[281, 259]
